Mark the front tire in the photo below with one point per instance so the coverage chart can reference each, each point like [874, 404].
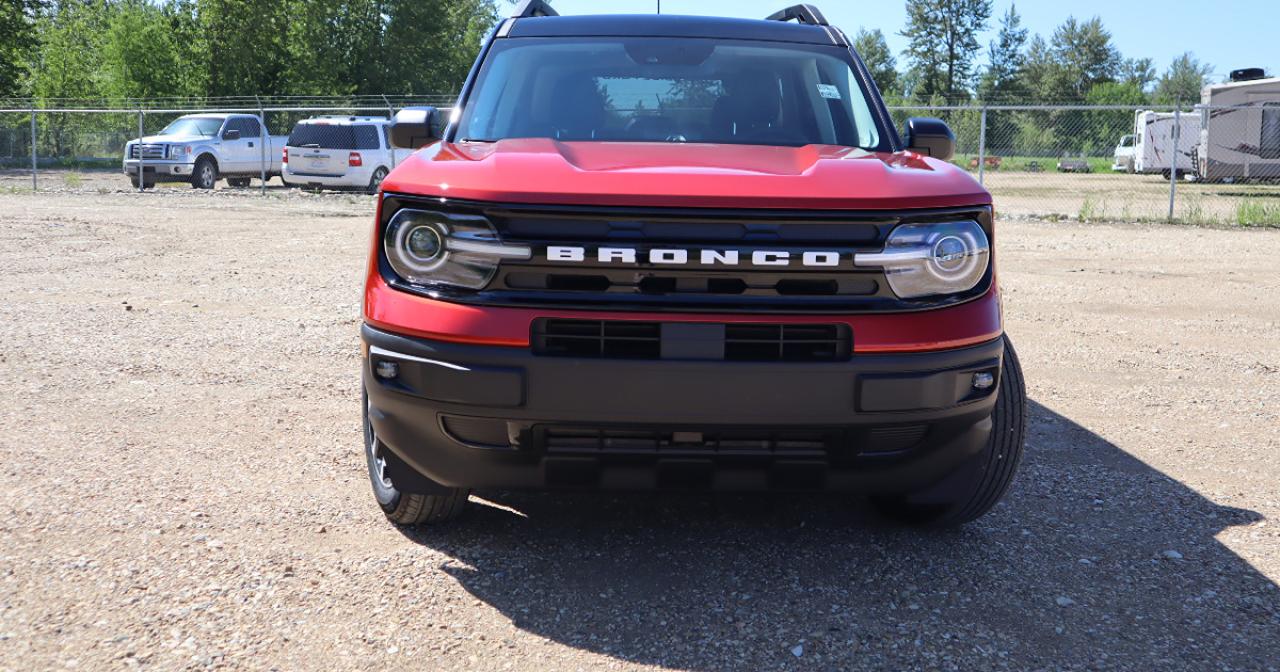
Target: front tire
[406, 508]
[205, 174]
[985, 479]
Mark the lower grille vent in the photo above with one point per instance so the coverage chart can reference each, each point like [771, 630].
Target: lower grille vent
[620, 339]
[592, 441]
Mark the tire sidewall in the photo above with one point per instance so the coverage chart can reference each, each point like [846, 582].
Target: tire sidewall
[388, 496]
[204, 168]
[375, 181]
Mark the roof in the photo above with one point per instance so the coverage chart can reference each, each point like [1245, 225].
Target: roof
[342, 119]
[1243, 84]
[670, 25]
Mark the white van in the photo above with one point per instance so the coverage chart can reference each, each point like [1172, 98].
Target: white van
[340, 152]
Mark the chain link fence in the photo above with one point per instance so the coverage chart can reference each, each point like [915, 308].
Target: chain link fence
[1200, 165]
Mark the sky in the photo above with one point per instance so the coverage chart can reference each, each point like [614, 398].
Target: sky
[1227, 34]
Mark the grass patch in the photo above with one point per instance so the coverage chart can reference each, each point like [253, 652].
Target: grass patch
[72, 180]
[1090, 210]
[1030, 164]
[1251, 212]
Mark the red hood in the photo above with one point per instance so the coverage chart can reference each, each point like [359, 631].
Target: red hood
[537, 170]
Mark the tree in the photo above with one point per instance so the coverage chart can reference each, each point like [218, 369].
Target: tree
[244, 45]
[1002, 79]
[17, 40]
[1101, 129]
[942, 44]
[139, 53]
[874, 50]
[429, 45]
[1086, 55]
[1183, 81]
[1140, 72]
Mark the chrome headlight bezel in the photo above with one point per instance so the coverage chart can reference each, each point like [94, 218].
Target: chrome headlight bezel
[468, 254]
[932, 259]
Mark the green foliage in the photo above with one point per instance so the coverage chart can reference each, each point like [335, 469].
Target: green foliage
[127, 49]
[1001, 80]
[875, 53]
[17, 37]
[137, 54]
[1183, 81]
[942, 44]
[1252, 212]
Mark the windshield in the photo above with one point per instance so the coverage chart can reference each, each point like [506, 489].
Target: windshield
[653, 89]
[201, 126]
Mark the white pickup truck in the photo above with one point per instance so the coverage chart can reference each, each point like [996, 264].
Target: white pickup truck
[202, 148]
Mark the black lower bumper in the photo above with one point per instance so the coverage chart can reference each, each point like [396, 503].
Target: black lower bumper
[502, 417]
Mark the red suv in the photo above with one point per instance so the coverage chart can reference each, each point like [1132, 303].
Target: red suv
[683, 252]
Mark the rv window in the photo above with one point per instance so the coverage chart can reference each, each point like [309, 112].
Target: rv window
[1269, 143]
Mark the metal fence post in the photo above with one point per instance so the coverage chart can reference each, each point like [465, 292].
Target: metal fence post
[262, 140]
[35, 186]
[982, 148]
[390, 116]
[1173, 169]
[142, 183]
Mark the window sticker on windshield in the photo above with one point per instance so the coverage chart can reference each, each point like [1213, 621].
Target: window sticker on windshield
[830, 91]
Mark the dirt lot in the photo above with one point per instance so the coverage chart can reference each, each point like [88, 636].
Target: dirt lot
[183, 484]
[1109, 197]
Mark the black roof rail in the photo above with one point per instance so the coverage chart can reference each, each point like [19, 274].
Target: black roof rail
[807, 14]
[529, 8]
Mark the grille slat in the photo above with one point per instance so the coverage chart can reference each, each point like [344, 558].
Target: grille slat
[149, 151]
[789, 444]
[623, 339]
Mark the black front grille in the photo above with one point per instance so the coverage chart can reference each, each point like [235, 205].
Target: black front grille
[568, 440]
[622, 339]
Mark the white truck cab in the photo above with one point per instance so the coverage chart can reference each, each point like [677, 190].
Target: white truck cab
[1124, 154]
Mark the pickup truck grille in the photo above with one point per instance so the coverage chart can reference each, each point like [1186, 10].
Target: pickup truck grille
[148, 151]
[695, 260]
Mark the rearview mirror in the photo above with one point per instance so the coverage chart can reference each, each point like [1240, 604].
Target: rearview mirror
[931, 137]
[231, 134]
[415, 127]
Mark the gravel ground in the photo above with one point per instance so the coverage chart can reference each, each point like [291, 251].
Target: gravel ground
[183, 484]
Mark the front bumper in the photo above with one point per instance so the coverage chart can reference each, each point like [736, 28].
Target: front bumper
[502, 417]
[159, 170]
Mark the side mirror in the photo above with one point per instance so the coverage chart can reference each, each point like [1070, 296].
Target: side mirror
[415, 127]
[231, 134]
[931, 137]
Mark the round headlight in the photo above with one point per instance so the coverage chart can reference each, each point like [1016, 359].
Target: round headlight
[425, 245]
[436, 249]
[932, 259]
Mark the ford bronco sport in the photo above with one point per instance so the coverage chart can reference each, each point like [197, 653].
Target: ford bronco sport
[683, 252]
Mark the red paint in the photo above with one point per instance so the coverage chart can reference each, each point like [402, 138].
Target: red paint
[680, 175]
[539, 170]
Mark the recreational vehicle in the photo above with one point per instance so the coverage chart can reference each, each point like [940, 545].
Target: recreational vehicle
[1155, 152]
[1240, 128]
